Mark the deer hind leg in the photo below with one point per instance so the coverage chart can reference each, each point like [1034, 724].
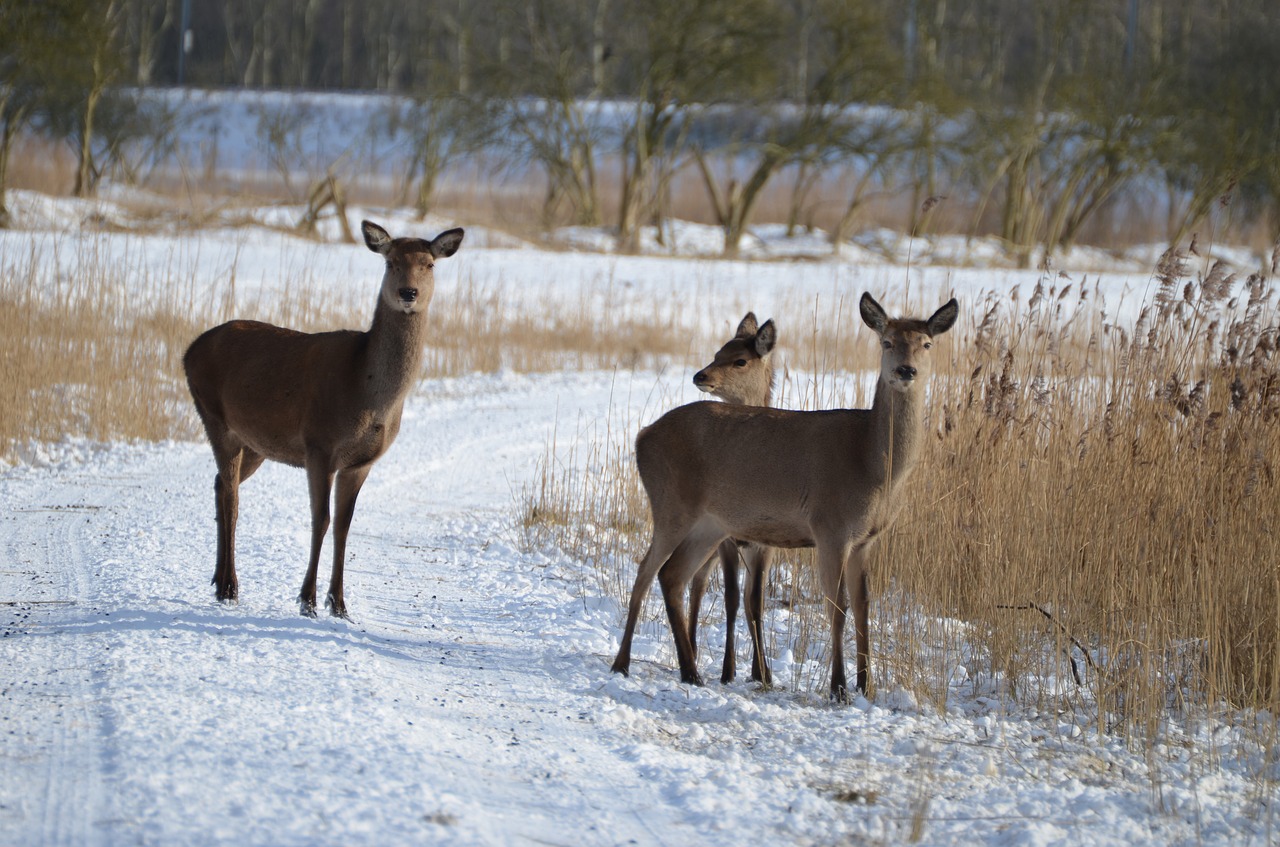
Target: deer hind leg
[758, 559]
[831, 562]
[350, 480]
[236, 463]
[319, 484]
[665, 539]
[728, 551]
[674, 576]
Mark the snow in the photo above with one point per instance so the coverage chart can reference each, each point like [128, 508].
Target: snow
[469, 701]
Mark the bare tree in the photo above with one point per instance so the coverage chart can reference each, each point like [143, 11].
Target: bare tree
[682, 57]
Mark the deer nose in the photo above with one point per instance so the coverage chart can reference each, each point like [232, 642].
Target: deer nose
[700, 377]
[905, 372]
[408, 295]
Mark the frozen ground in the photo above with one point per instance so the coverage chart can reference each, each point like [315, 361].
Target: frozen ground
[469, 700]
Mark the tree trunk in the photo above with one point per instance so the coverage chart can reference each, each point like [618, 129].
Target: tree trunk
[7, 133]
[86, 178]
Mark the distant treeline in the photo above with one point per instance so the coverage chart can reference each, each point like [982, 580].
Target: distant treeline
[1059, 103]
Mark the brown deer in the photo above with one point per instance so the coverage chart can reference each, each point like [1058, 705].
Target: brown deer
[827, 479]
[741, 372]
[328, 402]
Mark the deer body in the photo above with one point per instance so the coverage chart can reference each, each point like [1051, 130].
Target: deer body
[740, 373]
[328, 402]
[826, 479]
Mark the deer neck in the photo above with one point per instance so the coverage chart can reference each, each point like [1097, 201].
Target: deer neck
[897, 423]
[768, 390]
[393, 354]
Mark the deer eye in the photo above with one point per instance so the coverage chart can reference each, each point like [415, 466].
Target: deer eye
[928, 345]
[886, 344]
[741, 363]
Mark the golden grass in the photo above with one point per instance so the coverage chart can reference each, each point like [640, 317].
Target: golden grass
[80, 357]
[94, 350]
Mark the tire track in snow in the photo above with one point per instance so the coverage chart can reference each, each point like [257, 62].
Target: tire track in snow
[59, 746]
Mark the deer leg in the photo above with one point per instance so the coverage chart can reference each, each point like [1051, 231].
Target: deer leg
[238, 467]
[235, 462]
[728, 550]
[319, 484]
[660, 548]
[831, 561]
[674, 577]
[350, 480]
[697, 590]
[856, 580]
[249, 462]
[226, 499]
[758, 560]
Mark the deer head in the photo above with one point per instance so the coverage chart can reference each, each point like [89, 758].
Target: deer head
[905, 343]
[409, 282]
[741, 371]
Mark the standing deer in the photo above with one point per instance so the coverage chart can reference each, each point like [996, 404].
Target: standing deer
[328, 402]
[742, 373]
[827, 479]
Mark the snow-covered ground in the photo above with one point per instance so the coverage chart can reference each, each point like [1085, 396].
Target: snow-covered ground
[469, 700]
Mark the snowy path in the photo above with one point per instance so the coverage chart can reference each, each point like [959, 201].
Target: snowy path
[154, 715]
[469, 702]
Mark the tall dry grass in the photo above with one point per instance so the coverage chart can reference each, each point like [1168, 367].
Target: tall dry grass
[92, 336]
[1090, 530]
[84, 354]
[1108, 493]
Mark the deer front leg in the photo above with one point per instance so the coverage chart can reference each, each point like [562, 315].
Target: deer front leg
[319, 484]
[831, 561]
[350, 481]
[856, 580]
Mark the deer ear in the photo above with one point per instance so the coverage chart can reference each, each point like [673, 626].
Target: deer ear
[873, 314]
[748, 326]
[376, 237]
[943, 319]
[446, 243]
[766, 338]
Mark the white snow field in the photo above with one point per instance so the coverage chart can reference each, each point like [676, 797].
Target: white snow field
[469, 699]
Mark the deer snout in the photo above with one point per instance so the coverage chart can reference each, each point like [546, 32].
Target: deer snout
[906, 373]
[408, 295]
[702, 381]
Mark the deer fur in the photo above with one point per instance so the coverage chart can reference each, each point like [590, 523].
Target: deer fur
[741, 372]
[329, 402]
[824, 479]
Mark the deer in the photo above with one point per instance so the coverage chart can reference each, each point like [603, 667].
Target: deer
[829, 480]
[741, 372]
[327, 402]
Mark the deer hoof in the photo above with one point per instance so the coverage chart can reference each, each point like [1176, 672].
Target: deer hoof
[308, 608]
